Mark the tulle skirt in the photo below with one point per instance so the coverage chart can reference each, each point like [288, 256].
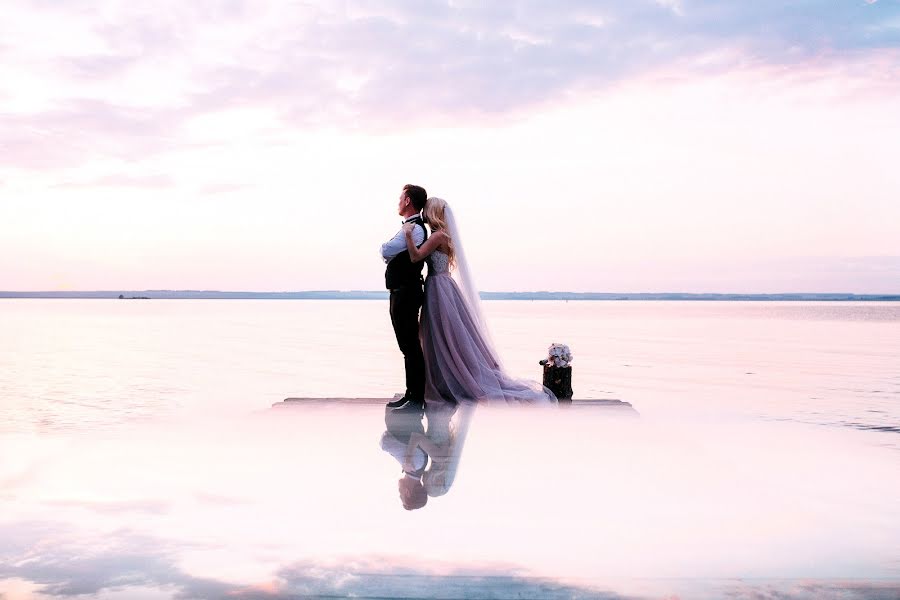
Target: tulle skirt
[460, 364]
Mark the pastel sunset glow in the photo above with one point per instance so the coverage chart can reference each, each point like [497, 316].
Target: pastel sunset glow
[685, 146]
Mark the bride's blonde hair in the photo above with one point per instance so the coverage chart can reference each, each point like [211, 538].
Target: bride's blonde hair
[434, 216]
[435, 481]
[438, 478]
[440, 474]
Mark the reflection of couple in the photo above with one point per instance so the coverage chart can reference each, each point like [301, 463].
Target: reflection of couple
[429, 458]
[449, 357]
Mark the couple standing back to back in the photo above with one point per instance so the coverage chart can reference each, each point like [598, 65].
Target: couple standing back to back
[448, 355]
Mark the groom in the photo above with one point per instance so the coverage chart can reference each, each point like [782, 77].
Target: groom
[404, 279]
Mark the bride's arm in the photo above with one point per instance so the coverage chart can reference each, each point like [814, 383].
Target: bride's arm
[411, 450]
[424, 442]
[437, 453]
[418, 254]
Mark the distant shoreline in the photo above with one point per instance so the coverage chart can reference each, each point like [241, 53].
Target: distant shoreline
[382, 295]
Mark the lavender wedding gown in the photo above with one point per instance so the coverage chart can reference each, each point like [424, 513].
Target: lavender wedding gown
[460, 362]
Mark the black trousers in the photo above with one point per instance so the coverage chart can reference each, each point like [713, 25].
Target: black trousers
[405, 305]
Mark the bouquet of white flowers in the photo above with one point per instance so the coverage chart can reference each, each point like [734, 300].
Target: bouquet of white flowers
[558, 355]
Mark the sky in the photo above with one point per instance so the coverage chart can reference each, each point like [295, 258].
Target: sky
[641, 146]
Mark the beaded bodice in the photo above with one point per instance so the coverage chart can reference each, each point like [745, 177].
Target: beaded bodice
[438, 263]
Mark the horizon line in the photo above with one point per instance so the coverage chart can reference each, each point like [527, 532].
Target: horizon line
[188, 294]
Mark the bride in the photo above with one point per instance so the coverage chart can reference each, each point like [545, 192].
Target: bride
[461, 364]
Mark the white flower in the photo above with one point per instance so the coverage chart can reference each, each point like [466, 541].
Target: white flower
[558, 355]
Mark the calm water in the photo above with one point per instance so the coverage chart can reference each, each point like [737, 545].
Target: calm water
[82, 364]
[139, 456]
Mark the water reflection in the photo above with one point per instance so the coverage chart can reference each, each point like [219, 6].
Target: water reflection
[67, 563]
[136, 566]
[429, 459]
[401, 427]
[300, 502]
[91, 364]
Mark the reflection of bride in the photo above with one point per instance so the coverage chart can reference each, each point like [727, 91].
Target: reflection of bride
[461, 364]
[443, 443]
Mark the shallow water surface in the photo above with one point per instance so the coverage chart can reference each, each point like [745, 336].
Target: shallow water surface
[140, 458]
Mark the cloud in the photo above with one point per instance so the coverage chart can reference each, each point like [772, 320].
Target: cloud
[65, 563]
[51, 557]
[219, 499]
[96, 66]
[123, 81]
[386, 577]
[156, 507]
[77, 130]
[19, 480]
[122, 180]
[675, 6]
[40, 553]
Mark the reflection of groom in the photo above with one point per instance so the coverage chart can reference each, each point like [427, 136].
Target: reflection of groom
[401, 425]
[404, 279]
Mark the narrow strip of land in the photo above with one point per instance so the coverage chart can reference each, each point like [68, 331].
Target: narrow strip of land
[382, 295]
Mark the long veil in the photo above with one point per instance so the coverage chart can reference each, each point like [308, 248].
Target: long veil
[466, 281]
[461, 358]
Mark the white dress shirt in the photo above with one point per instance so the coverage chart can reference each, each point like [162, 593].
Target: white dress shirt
[397, 244]
[397, 449]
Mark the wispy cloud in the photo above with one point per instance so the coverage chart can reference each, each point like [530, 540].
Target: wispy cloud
[124, 80]
[65, 566]
[156, 507]
[122, 180]
[223, 188]
[77, 130]
[203, 99]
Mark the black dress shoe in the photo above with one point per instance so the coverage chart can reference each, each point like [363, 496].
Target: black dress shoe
[412, 407]
[398, 402]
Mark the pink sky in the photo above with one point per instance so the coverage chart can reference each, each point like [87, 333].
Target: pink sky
[656, 146]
